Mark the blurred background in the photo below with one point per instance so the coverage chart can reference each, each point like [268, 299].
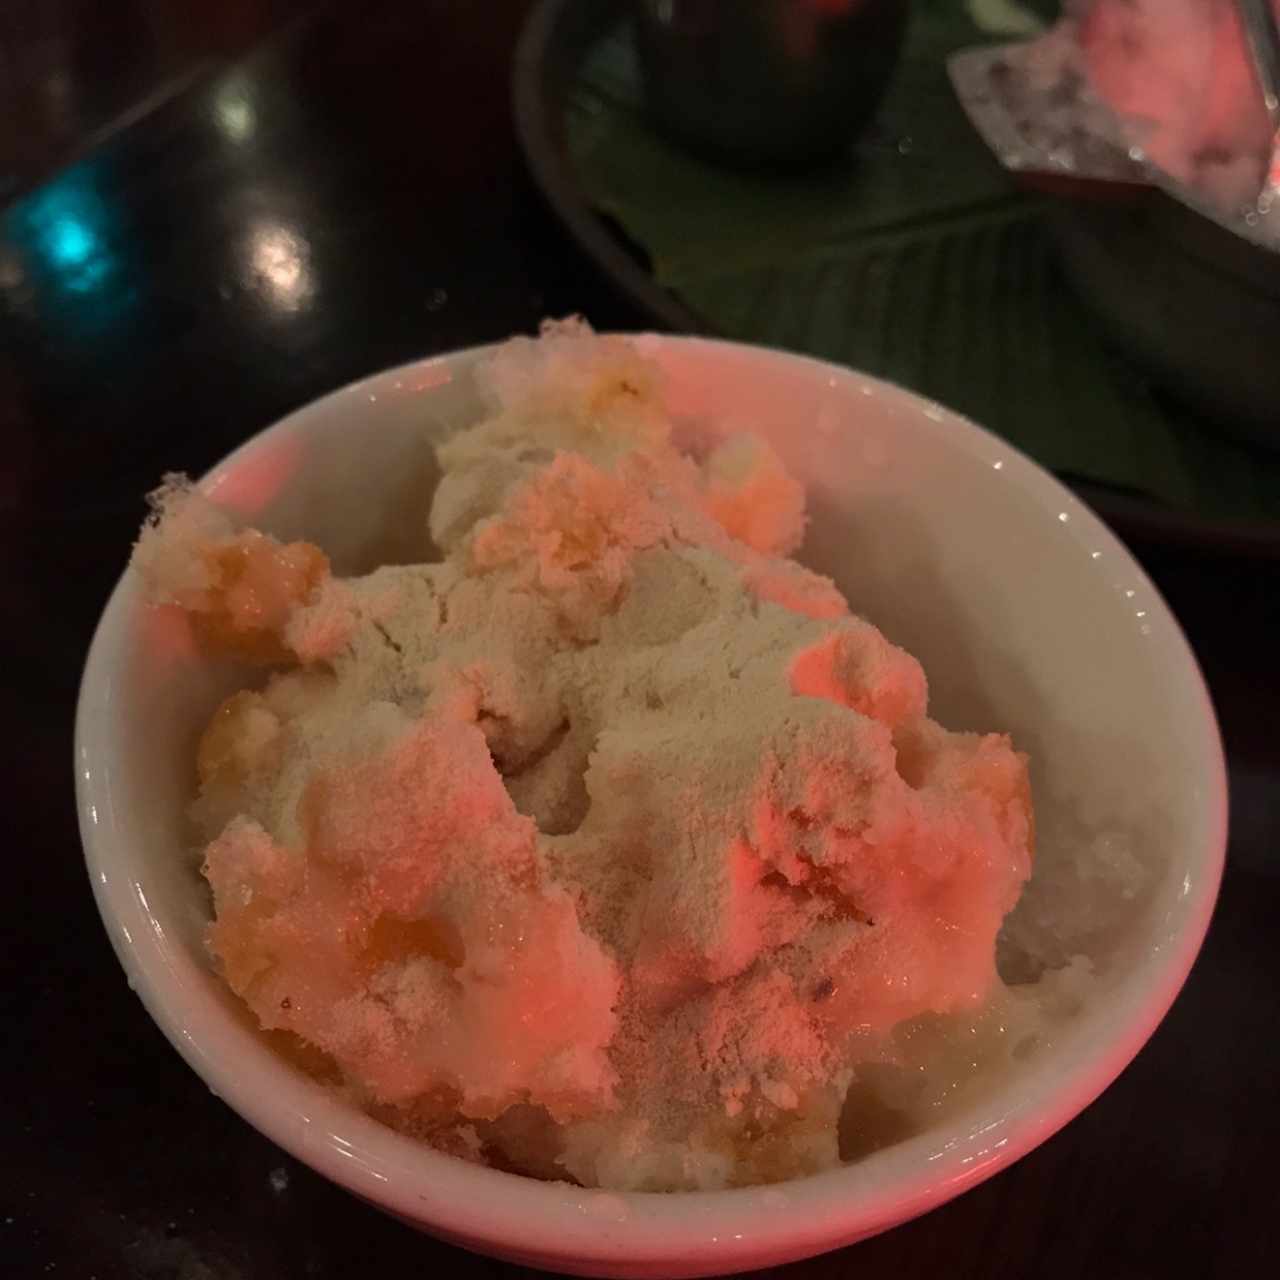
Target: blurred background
[211, 214]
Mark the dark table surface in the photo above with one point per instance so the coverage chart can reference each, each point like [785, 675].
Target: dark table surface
[212, 222]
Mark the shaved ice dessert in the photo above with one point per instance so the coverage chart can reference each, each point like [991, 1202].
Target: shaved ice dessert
[1180, 74]
[1177, 77]
[611, 845]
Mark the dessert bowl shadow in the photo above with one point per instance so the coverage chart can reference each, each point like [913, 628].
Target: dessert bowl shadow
[1027, 615]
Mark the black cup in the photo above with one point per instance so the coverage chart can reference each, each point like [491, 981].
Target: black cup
[768, 82]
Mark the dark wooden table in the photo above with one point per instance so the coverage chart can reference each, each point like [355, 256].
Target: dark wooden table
[230, 219]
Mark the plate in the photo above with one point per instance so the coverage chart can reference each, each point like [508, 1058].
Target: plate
[561, 34]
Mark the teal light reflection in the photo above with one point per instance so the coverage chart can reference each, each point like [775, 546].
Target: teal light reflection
[66, 225]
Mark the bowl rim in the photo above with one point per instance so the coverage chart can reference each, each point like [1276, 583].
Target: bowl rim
[604, 1231]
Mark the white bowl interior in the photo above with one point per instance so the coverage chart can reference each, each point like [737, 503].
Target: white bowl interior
[1026, 613]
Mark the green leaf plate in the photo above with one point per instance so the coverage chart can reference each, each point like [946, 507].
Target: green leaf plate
[919, 260]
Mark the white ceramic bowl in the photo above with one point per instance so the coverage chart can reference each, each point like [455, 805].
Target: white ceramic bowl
[1027, 614]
